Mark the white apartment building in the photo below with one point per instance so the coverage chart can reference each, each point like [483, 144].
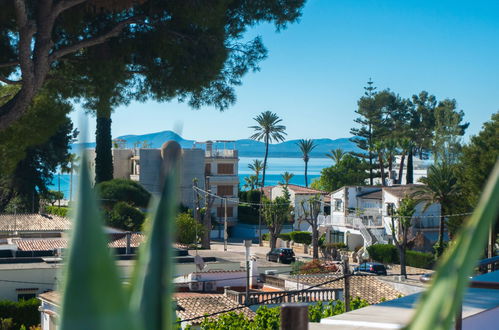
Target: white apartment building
[362, 215]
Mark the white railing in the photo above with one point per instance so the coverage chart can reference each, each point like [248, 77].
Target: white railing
[368, 240]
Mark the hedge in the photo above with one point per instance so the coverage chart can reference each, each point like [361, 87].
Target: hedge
[303, 237]
[21, 312]
[55, 210]
[285, 236]
[384, 253]
[419, 259]
[266, 236]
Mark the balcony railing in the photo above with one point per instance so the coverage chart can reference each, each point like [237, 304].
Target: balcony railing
[278, 297]
[221, 153]
[351, 221]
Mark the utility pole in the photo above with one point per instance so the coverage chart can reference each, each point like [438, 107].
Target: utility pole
[247, 245]
[225, 225]
[346, 282]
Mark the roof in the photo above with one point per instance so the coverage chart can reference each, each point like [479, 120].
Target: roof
[366, 287]
[33, 222]
[267, 191]
[400, 191]
[376, 194]
[48, 244]
[51, 296]
[189, 306]
[301, 190]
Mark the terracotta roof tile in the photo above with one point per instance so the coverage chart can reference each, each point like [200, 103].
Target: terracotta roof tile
[365, 287]
[199, 305]
[33, 222]
[301, 190]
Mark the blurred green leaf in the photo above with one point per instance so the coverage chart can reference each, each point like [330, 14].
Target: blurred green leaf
[93, 296]
[439, 304]
[151, 286]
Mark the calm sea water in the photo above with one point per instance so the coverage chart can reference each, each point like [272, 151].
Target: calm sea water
[275, 167]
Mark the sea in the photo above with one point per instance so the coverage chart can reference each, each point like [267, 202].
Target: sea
[275, 168]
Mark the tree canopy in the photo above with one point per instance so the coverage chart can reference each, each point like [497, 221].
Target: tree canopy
[350, 170]
[161, 49]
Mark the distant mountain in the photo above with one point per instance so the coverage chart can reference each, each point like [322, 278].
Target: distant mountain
[246, 147]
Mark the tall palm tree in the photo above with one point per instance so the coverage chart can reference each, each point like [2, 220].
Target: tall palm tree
[286, 177]
[306, 146]
[336, 155]
[440, 187]
[71, 166]
[404, 145]
[268, 130]
[257, 167]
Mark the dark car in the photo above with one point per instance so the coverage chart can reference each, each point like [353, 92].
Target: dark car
[371, 267]
[281, 255]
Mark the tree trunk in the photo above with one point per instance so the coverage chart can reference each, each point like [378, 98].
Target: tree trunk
[306, 169]
[315, 242]
[265, 159]
[401, 169]
[371, 169]
[441, 233]
[402, 261]
[273, 240]
[103, 148]
[382, 169]
[410, 170]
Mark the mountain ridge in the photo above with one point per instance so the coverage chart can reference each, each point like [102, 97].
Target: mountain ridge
[245, 147]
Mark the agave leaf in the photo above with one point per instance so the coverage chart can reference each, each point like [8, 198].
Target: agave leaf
[439, 304]
[93, 296]
[151, 286]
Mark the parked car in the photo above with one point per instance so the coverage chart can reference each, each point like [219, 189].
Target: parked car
[282, 255]
[371, 267]
[425, 278]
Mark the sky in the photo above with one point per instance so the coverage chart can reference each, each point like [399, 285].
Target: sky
[316, 69]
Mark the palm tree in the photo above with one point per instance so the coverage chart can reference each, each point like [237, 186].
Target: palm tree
[268, 130]
[440, 187]
[250, 182]
[405, 145]
[336, 155]
[70, 167]
[286, 177]
[257, 167]
[306, 147]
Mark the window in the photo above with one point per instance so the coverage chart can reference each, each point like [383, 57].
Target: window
[225, 168]
[390, 208]
[338, 204]
[207, 169]
[26, 293]
[221, 212]
[337, 237]
[225, 190]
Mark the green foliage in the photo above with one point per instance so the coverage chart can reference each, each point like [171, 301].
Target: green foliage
[285, 236]
[435, 310]
[306, 146]
[266, 236]
[31, 150]
[124, 216]
[348, 171]
[7, 324]
[275, 214]
[269, 318]
[302, 237]
[21, 312]
[55, 210]
[188, 229]
[384, 253]
[419, 259]
[52, 196]
[123, 190]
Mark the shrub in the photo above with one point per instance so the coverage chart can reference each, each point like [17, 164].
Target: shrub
[60, 211]
[247, 214]
[384, 253]
[188, 229]
[21, 312]
[266, 237]
[125, 216]
[303, 237]
[419, 259]
[285, 236]
[316, 266]
[123, 190]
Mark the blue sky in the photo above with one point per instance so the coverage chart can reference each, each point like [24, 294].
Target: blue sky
[316, 69]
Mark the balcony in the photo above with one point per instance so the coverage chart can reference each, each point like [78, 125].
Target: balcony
[221, 153]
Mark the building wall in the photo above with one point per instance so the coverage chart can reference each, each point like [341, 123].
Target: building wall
[23, 276]
[150, 169]
[192, 168]
[122, 165]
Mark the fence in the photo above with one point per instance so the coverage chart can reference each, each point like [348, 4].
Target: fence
[278, 297]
